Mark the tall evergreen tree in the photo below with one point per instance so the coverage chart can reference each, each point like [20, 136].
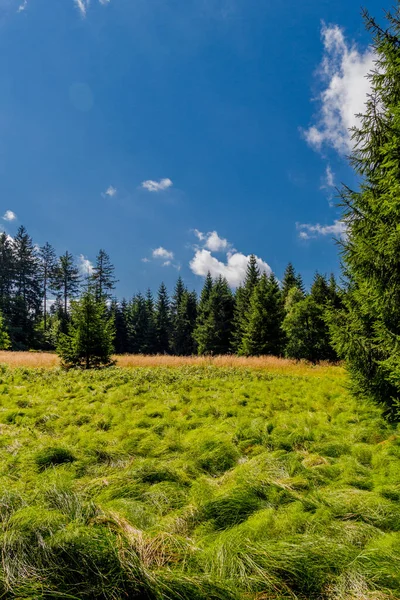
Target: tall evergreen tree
[203, 312]
[163, 322]
[242, 302]
[47, 265]
[89, 341]
[7, 276]
[177, 297]
[304, 327]
[185, 324]
[367, 330]
[151, 332]
[103, 276]
[137, 325]
[289, 281]
[118, 312]
[263, 334]
[214, 334]
[67, 280]
[27, 298]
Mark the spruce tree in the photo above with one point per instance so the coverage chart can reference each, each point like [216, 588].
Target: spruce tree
[67, 280]
[27, 294]
[242, 302]
[289, 281]
[305, 330]
[150, 346]
[118, 312]
[89, 341]
[163, 322]
[177, 297]
[185, 325]
[203, 312]
[263, 334]
[137, 325]
[214, 333]
[7, 270]
[103, 276]
[47, 265]
[367, 330]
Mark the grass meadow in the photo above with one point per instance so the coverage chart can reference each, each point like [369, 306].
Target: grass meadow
[195, 480]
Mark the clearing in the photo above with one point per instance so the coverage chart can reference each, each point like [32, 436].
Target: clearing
[196, 482]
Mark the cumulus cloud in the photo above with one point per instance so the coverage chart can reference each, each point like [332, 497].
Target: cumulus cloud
[163, 253]
[157, 186]
[343, 72]
[9, 215]
[234, 269]
[212, 241]
[110, 192]
[85, 266]
[308, 231]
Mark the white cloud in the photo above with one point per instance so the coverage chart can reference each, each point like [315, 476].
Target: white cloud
[329, 177]
[157, 186]
[212, 241]
[308, 231]
[82, 6]
[9, 215]
[145, 260]
[111, 192]
[234, 269]
[104, 2]
[163, 253]
[23, 6]
[343, 70]
[84, 265]
[167, 263]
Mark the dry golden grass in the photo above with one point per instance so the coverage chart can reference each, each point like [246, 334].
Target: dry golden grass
[269, 363]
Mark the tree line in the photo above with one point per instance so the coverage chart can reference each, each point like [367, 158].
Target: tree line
[261, 317]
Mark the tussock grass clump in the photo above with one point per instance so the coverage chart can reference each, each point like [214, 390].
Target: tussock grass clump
[196, 482]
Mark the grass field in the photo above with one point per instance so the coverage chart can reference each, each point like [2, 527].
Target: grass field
[196, 482]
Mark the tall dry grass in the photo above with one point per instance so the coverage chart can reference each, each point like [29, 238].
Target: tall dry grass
[270, 363]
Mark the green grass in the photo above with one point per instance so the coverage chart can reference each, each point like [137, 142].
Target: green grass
[195, 483]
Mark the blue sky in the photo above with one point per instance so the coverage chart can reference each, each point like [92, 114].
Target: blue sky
[180, 135]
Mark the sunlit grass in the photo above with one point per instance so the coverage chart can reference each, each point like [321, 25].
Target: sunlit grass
[196, 482]
[279, 365]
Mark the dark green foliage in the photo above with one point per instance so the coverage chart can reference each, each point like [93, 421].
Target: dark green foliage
[66, 280]
[27, 291]
[119, 312]
[163, 322]
[103, 276]
[7, 270]
[185, 324]
[289, 281]
[306, 332]
[214, 329]
[47, 266]
[137, 325]
[242, 303]
[367, 330]
[89, 341]
[263, 333]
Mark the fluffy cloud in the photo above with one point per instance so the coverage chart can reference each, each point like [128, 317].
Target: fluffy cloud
[22, 6]
[9, 215]
[110, 192]
[163, 253]
[85, 266]
[343, 71]
[157, 186]
[308, 231]
[234, 269]
[212, 241]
